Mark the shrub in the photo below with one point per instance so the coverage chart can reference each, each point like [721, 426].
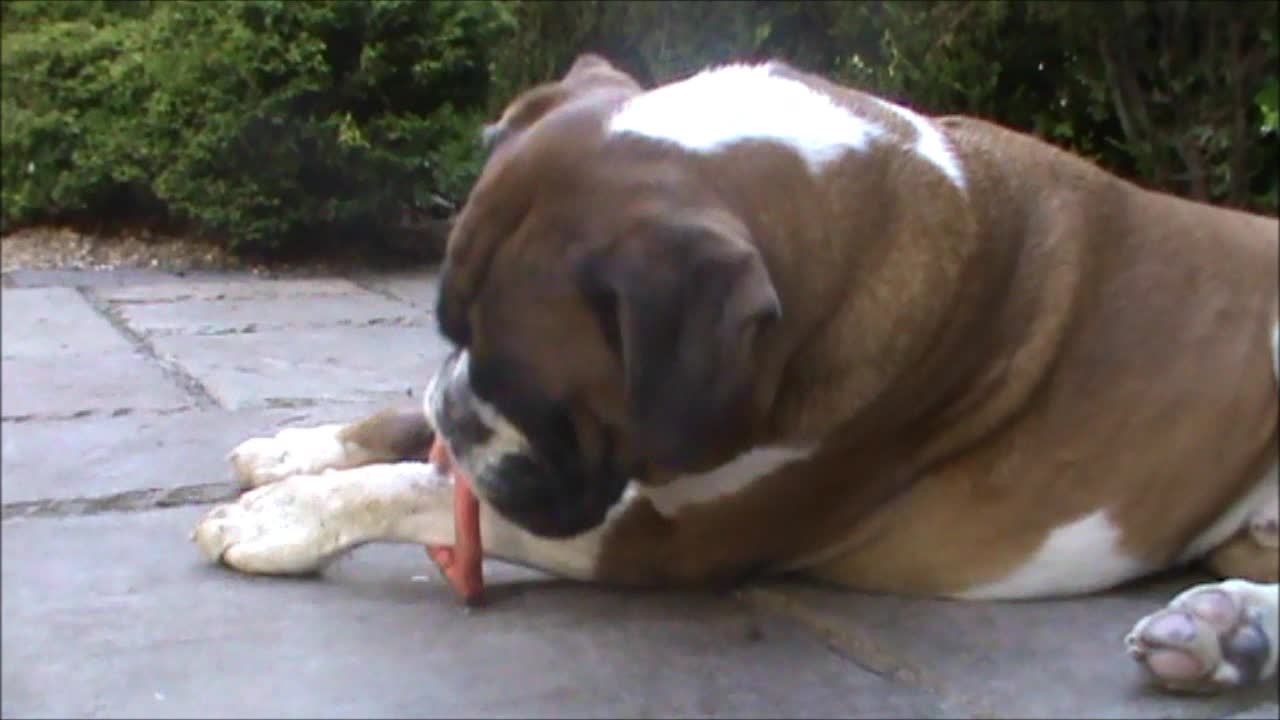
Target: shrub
[1171, 94]
[60, 110]
[278, 124]
[1179, 96]
[282, 124]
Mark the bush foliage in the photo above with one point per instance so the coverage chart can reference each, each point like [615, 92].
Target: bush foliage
[1180, 96]
[280, 124]
[270, 122]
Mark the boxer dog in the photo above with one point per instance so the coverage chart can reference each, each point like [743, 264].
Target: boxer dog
[755, 322]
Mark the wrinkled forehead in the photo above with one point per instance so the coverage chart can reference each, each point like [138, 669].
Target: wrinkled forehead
[528, 199]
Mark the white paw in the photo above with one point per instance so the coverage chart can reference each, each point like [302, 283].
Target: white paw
[293, 451]
[1210, 638]
[285, 528]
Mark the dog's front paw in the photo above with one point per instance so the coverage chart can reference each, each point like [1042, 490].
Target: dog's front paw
[281, 529]
[293, 451]
[1210, 638]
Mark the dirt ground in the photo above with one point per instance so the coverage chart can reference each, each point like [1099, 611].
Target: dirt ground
[63, 248]
[69, 248]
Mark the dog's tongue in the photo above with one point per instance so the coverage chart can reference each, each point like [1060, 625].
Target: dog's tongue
[461, 563]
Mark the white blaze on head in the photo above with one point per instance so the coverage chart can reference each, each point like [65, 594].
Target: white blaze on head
[721, 107]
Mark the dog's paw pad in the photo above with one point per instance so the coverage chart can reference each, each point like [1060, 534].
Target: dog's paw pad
[1207, 640]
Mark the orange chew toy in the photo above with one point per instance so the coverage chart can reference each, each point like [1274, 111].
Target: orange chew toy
[461, 563]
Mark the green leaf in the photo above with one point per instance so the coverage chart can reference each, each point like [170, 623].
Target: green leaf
[763, 31]
[1268, 101]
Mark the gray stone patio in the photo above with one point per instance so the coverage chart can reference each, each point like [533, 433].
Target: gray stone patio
[122, 393]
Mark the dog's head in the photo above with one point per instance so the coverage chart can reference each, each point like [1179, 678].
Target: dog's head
[605, 306]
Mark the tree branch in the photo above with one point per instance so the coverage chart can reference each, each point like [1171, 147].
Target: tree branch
[1237, 180]
[1130, 106]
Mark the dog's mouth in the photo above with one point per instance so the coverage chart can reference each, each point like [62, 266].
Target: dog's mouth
[478, 437]
[505, 469]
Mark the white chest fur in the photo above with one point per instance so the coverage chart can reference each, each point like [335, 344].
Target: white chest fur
[728, 479]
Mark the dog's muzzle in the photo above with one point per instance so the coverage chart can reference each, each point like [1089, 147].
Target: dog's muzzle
[503, 465]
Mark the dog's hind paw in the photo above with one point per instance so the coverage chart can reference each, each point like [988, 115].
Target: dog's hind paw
[1210, 638]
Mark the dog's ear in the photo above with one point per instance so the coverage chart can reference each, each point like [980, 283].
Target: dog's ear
[589, 72]
[524, 111]
[682, 301]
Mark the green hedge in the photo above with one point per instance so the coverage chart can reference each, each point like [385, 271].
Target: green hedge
[282, 124]
[273, 123]
[1176, 95]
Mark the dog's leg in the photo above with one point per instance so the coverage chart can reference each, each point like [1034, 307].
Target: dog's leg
[1220, 635]
[300, 524]
[392, 435]
[1226, 634]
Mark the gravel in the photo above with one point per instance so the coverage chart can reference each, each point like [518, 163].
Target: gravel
[66, 248]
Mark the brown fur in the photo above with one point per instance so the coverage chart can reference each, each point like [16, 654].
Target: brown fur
[980, 367]
[1243, 557]
[392, 434]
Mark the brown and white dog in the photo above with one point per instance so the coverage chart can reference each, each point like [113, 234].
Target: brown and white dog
[754, 322]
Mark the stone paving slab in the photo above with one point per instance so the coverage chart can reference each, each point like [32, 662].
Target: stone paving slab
[45, 322]
[121, 601]
[106, 382]
[122, 604]
[1264, 711]
[100, 456]
[243, 287]
[129, 277]
[206, 316]
[61, 357]
[343, 364]
[1052, 658]
[95, 278]
[417, 287]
